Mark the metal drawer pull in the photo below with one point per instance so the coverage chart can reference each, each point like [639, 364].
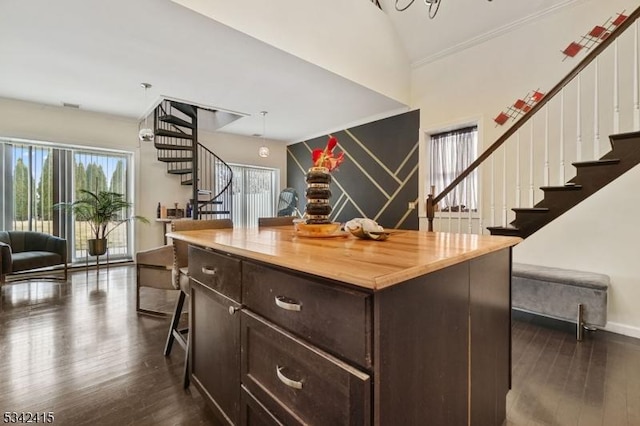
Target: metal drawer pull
[288, 304]
[207, 271]
[287, 381]
[233, 310]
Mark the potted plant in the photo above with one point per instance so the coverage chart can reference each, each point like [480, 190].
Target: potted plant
[101, 209]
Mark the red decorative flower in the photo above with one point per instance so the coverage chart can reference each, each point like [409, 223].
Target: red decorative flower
[325, 157]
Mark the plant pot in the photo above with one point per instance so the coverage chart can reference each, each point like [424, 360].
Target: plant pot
[97, 247]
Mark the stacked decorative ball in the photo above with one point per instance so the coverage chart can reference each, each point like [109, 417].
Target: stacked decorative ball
[318, 195]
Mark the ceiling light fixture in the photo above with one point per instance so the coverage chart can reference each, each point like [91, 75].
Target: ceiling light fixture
[433, 6]
[263, 151]
[146, 133]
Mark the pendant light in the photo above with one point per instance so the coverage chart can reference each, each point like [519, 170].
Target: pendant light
[263, 151]
[146, 133]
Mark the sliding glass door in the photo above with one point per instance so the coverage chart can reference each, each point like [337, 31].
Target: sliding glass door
[255, 192]
[35, 176]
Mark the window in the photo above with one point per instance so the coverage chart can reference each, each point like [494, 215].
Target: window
[35, 176]
[255, 191]
[450, 154]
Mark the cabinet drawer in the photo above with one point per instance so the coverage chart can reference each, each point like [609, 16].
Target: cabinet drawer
[253, 413]
[331, 317]
[216, 271]
[292, 378]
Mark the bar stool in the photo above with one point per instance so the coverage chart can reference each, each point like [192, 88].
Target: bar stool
[180, 276]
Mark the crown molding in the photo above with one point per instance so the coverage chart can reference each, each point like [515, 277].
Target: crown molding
[491, 34]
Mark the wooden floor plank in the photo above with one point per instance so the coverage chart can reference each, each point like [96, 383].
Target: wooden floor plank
[80, 350]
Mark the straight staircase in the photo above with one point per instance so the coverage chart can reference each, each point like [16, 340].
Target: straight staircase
[540, 145]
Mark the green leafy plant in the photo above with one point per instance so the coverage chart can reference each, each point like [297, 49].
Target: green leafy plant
[101, 209]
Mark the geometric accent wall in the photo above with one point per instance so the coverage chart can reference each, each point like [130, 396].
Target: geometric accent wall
[379, 175]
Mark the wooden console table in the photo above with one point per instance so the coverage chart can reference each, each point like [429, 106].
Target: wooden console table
[290, 330]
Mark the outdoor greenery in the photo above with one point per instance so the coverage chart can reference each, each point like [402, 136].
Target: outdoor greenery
[93, 174]
[21, 190]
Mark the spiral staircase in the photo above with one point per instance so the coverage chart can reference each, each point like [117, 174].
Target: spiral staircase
[176, 143]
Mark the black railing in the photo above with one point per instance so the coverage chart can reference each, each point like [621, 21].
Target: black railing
[209, 175]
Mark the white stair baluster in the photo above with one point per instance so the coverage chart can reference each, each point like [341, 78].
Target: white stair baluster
[504, 185]
[578, 121]
[561, 176]
[493, 190]
[518, 190]
[616, 90]
[596, 114]
[531, 191]
[636, 70]
[546, 145]
[469, 223]
[460, 199]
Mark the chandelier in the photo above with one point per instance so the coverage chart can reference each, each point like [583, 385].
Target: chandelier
[433, 6]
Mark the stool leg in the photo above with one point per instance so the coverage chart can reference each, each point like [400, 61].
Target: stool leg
[174, 323]
[185, 380]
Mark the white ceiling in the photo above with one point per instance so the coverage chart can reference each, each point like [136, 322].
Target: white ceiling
[96, 54]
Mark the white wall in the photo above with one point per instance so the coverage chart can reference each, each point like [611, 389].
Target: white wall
[153, 184]
[598, 235]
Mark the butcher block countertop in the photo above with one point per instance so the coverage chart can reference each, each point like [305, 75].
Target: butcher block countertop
[369, 264]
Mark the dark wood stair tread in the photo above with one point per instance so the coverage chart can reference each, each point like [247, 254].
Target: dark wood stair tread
[184, 108]
[174, 159]
[530, 209]
[596, 162]
[213, 212]
[187, 182]
[172, 134]
[172, 119]
[179, 171]
[566, 187]
[171, 147]
[504, 230]
[208, 202]
[626, 135]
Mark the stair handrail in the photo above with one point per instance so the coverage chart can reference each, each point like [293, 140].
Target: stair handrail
[433, 200]
[225, 164]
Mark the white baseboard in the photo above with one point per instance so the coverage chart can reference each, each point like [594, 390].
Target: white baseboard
[623, 329]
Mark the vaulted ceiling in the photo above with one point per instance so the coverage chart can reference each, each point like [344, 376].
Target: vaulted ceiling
[96, 54]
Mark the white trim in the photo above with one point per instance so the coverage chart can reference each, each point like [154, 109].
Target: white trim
[490, 34]
[624, 329]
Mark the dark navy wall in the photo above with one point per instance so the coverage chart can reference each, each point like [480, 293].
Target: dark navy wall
[379, 176]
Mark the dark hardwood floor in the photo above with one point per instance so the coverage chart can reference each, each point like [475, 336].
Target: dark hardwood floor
[81, 351]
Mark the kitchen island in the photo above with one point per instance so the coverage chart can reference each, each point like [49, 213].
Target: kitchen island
[289, 330]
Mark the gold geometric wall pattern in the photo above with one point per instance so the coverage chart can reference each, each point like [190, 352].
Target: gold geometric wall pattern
[379, 176]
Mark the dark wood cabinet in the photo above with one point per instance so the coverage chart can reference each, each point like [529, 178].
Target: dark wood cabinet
[215, 343]
[274, 346]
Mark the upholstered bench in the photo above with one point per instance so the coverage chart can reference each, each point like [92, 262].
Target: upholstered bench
[563, 294]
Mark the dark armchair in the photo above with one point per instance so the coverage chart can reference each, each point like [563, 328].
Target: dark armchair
[25, 250]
